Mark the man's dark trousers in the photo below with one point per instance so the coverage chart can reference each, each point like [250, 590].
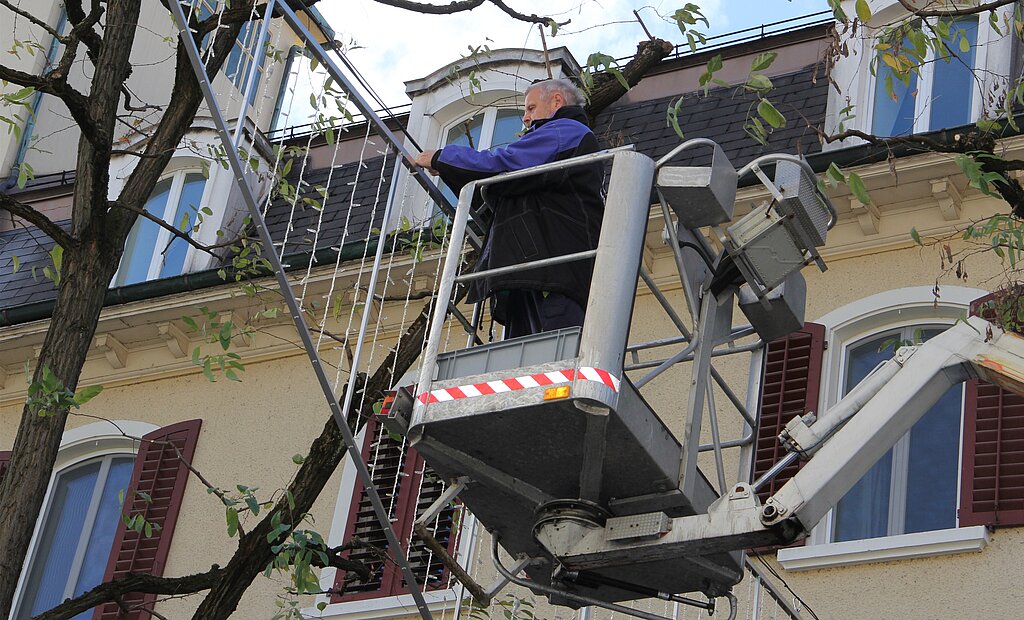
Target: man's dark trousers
[532, 312]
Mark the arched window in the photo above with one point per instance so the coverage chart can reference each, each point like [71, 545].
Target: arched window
[913, 488]
[104, 470]
[933, 492]
[80, 521]
[151, 251]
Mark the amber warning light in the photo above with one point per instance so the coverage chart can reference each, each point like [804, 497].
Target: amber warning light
[556, 393]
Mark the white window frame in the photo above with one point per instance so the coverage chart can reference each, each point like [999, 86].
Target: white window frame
[989, 67]
[486, 128]
[163, 236]
[385, 607]
[77, 445]
[849, 325]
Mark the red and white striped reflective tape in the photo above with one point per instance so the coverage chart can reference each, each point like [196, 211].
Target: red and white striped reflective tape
[473, 390]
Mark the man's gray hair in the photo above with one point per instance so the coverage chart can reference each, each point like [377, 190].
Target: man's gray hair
[569, 91]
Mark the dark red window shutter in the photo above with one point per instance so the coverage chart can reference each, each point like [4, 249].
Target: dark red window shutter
[992, 492]
[992, 487]
[406, 486]
[792, 376]
[5, 462]
[161, 473]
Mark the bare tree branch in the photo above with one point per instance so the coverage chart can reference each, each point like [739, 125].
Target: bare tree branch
[32, 18]
[953, 12]
[148, 584]
[55, 84]
[460, 6]
[43, 223]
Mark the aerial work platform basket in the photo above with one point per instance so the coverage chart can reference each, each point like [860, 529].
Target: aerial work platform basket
[547, 435]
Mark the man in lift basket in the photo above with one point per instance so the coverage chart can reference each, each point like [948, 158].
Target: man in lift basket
[535, 217]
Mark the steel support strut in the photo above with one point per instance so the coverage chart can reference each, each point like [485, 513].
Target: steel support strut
[286, 292]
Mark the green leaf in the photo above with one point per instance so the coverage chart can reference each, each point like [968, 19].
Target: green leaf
[190, 323]
[835, 174]
[965, 45]
[771, 115]
[759, 83]
[863, 11]
[298, 459]
[672, 117]
[858, 189]
[208, 370]
[86, 394]
[763, 61]
[17, 263]
[232, 518]
[916, 236]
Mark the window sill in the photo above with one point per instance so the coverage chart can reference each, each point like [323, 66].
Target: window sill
[385, 607]
[905, 546]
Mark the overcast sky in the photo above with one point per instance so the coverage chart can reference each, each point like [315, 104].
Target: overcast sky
[397, 45]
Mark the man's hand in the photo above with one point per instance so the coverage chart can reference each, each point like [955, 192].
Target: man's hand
[423, 160]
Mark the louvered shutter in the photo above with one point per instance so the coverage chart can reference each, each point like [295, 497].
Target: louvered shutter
[5, 462]
[405, 486]
[162, 474]
[992, 489]
[792, 376]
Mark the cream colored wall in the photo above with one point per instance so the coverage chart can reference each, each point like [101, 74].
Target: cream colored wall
[251, 429]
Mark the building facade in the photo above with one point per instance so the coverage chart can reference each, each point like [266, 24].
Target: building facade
[932, 531]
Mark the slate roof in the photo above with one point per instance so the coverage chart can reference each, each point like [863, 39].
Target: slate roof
[30, 247]
[345, 217]
[720, 116]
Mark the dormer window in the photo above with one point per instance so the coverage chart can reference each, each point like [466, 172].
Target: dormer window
[151, 251]
[941, 95]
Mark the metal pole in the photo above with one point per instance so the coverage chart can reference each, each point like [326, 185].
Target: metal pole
[606, 328]
[293, 306]
[250, 80]
[364, 107]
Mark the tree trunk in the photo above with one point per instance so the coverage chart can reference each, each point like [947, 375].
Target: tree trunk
[84, 280]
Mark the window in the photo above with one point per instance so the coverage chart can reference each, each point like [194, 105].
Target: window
[941, 96]
[77, 533]
[80, 541]
[913, 488]
[151, 251]
[955, 474]
[406, 487]
[240, 60]
[489, 129]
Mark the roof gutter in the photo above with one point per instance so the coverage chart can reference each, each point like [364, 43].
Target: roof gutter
[184, 283]
[867, 153]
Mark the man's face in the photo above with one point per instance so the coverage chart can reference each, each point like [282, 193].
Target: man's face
[538, 107]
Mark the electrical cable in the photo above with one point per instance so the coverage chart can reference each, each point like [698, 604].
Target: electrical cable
[775, 574]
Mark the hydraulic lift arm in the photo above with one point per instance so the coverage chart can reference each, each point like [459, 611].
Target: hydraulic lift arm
[844, 442]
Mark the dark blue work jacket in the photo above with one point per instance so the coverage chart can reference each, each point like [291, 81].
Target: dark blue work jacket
[535, 217]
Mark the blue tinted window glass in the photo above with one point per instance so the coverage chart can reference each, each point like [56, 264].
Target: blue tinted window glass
[933, 464]
[507, 126]
[191, 193]
[953, 82]
[138, 251]
[466, 133]
[104, 527]
[864, 510]
[59, 539]
[893, 113]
